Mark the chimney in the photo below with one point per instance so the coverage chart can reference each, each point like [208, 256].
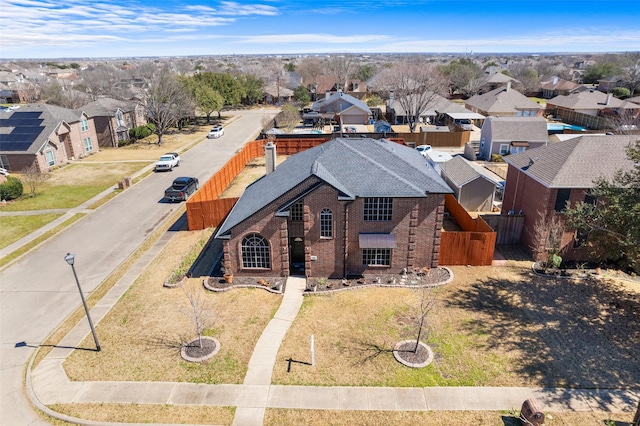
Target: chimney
[555, 80]
[327, 94]
[270, 154]
[391, 97]
[608, 102]
[508, 85]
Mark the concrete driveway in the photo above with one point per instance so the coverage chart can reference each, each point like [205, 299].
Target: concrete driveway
[38, 291]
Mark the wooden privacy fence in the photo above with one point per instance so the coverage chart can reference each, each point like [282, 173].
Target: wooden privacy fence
[205, 209]
[474, 245]
[508, 227]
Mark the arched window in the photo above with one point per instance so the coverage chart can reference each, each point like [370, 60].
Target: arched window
[326, 224]
[255, 252]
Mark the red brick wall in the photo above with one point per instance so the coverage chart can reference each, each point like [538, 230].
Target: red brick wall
[532, 198]
[416, 224]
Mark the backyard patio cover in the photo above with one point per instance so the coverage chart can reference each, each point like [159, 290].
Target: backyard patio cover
[377, 241]
[468, 115]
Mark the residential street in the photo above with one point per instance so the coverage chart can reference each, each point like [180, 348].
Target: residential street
[38, 291]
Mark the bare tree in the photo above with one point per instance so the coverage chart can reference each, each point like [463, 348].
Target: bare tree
[33, 178]
[416, 84]
[200, 311]
[547, 236]
[341, 68]
[102, 80]
[310, 69]
[64, 95]
[28, 91]
[424, 304]
[166, 102]
[526, 75]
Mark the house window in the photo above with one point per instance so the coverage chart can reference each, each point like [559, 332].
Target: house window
[326, 224]
[376, 257]
[84, 125]
[580, 238]
[120, 118]
[4, 162]
[255, 252]
[87, 144]
[589, 198]
[504, 148]
[561, 199]
[378, 209]
[51, 159]
[296, 212]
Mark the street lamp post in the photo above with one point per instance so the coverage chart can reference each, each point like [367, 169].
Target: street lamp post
[70, 258]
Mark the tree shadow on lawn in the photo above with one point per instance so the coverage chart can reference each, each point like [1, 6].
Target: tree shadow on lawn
[571, 334]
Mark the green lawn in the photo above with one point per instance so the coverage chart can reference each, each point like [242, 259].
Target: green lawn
[12, 228]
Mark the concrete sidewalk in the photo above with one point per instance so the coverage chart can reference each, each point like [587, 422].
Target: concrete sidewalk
[48, 383]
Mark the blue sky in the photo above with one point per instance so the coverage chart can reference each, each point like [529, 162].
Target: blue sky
[120, 28]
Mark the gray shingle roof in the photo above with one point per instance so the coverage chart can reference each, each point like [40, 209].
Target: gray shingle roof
[106, 107]
[502, 100]
[575, 163]
[532, 129]
[588, 100]
[28, 135]
[357, 167]
[339, 99]
[462, 171]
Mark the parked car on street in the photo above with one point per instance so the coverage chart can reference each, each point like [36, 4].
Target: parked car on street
[181, 188]
[167, 162]
[216, 132]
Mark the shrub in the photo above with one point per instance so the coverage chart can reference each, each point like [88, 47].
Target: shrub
[496, 158]
[141, 132]
[11, 189]
[621, 92]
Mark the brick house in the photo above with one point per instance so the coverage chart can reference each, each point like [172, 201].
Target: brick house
[541, 181]
[343, 108]
[350, 206]
[113, 119]
[44, 135]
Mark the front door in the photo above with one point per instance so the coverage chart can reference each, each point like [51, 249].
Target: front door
[296, 249]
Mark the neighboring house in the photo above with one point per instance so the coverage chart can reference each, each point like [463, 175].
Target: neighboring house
[504, 101]
[510, 135]
[495, 80]
[473, 185]
[350, 206]
[607, 84]
[591, 109]
[542, 180]
[274, 94]
[559, 87]
[113, 119]
[343, 108]
[45, 136]
[439, 111]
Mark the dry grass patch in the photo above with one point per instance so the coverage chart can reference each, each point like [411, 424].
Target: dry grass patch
[141, 336]
[254, 169]
[493, 326]
[282, 417]
[143, 413]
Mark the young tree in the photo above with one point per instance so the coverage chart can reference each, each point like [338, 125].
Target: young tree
[288, 118]
[425, 302]
[200, 311]
[416, 84]
[33, 178]
[547, 237]
[166, 102]
[613, 221]
[301, 95]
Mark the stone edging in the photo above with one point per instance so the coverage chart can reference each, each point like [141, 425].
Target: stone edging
[359, 286]
[232, 286]
[204, 358]
[398, 358]
[574, 277]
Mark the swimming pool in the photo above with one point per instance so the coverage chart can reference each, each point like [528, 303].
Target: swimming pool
[558, 127]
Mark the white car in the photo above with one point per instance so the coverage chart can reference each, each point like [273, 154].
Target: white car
[216, 132]
[422, 149]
